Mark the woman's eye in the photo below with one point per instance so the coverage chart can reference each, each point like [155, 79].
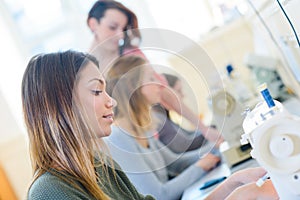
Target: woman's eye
[154, 79]
[113, 28]
[96, 92]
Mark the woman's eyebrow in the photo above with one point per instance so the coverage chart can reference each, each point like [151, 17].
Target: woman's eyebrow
[97, 79]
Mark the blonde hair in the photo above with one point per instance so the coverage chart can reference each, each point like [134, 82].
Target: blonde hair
[124, 81]
[61, 141]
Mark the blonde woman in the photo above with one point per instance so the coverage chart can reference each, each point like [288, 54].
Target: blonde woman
[147, 162]
[67, 111]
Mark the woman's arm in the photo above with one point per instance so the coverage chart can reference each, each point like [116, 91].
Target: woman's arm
[242, 184]
[177, 162]
[171, 101]
[136, 166]
[252, 191]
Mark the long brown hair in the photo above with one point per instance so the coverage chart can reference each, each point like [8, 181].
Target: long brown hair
[60, 139]
[124, 81]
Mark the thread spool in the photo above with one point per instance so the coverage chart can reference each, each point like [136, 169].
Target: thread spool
[266, 95]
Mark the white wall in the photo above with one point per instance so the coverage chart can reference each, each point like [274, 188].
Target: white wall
[14, 156]
[230, 44]
[222, 46]
[280, 28]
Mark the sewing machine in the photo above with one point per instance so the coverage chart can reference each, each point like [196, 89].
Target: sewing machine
[274, 135]
[227, 116]
[267, 70]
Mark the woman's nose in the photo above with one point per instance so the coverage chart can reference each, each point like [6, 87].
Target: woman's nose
[162, 79]
[112, 102]
[120, 35]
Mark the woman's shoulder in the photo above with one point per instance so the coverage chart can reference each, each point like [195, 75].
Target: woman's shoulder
[49, 186]
[116, 184]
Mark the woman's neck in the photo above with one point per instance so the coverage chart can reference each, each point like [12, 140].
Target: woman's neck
[125, 124]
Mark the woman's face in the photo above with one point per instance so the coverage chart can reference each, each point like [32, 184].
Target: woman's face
[151, 87]
[111, 26]
[97, 104]
[178, 88]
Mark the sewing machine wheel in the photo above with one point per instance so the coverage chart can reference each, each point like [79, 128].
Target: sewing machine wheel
[223, 103]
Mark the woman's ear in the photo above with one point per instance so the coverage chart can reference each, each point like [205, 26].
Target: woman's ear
[93, 23]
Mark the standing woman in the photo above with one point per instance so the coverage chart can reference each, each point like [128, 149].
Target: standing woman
[67, 111]
[112, 25]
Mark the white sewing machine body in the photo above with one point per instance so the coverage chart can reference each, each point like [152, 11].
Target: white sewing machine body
[274, 135]
[227, 116]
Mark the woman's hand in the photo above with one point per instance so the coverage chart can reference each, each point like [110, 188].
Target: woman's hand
[170, 100]
[242, 185]
[247, 175]
[252, 191]
[213, 135]
[208, 162]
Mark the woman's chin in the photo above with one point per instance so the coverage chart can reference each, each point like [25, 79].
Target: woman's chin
[106, 133]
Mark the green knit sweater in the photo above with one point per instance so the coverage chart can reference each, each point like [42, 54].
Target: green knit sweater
[50, 187]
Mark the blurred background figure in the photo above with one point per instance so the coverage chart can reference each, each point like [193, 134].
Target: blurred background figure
[171, 134]
[110, 22]
[133, 144]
